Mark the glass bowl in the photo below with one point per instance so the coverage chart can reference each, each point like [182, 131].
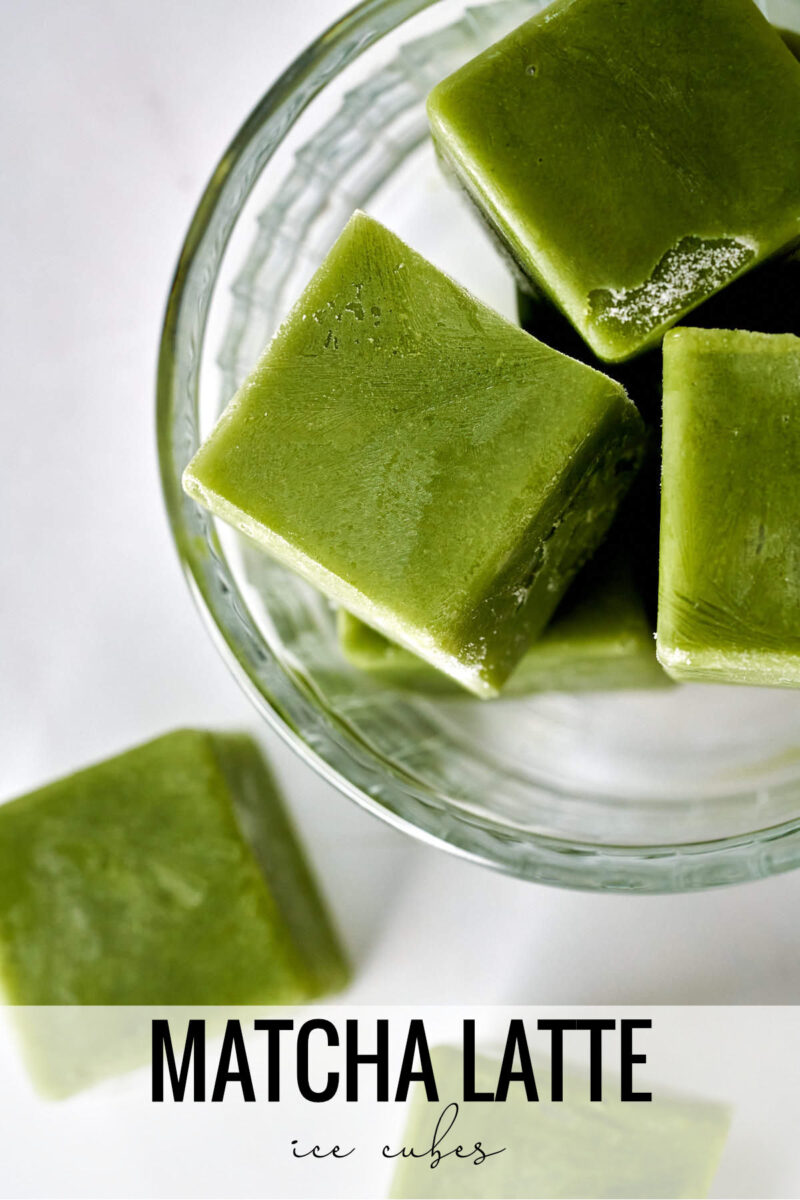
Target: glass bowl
[644, 791]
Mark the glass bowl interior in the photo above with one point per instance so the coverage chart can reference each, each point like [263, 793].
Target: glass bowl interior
[669, 789]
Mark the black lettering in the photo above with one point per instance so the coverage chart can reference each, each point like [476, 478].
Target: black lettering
[628, 1058]
[444, 1124]
[274, 1030]
[416, 1043]
[556, 1028]
[439, 1134]
[303, 1083]
[194, 1049]
[233, 1047]
[380, 1059]
[318, 1152]
[470, 1093]
[596, 1028]
[481, 1155]
[516, 1044]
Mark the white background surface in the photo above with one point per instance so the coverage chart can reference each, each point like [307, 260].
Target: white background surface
[114, 115]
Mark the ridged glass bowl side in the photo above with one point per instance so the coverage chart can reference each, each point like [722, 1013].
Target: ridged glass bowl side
[345, 128]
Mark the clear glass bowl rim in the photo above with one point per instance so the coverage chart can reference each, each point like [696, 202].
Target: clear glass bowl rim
[399, 801]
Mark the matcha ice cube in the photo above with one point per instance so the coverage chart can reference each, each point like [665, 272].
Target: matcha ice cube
[729, 590]
[600, 639]
[575, 1148]
[169, 875]
[431, 467]
[633, 157]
